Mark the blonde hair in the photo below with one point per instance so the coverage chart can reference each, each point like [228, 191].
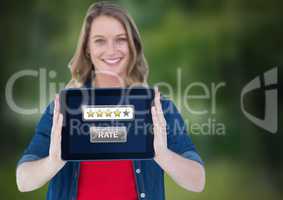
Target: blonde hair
[81, 66]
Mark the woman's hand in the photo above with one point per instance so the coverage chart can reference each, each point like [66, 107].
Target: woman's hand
[187, 173]
[159, 127]
[34, 174]
[56, 133]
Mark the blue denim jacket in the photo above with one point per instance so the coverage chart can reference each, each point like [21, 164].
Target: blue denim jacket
[149, 176]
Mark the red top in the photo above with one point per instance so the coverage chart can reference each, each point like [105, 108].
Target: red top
[107, 180]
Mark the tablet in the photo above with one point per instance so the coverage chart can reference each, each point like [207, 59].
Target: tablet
[106, 123]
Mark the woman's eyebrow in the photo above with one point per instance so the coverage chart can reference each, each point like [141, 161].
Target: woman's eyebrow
[101, 36]
[97, 36]
[121, 34]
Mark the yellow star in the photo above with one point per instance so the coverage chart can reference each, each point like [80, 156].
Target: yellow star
[99, 113]
[117, 113]
[90, 114]
[108, 113]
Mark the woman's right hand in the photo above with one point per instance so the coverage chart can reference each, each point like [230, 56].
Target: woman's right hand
[56, 133]
[44, 169]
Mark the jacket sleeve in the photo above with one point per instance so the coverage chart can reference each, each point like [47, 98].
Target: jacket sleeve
[178, 138]
[39, 145]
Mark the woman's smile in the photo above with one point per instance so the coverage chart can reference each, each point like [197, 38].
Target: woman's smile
[112, 61]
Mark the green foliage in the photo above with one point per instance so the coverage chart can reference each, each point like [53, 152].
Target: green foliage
[229, 41]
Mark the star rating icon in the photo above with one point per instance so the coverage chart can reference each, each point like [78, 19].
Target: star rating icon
[90, 114]
[99, 113]
[126, 113]
[108, 113]
[117, 113]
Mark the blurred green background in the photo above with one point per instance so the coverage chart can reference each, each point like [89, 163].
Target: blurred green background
[206, 41]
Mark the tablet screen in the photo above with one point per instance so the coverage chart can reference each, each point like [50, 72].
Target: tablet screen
[107, 124]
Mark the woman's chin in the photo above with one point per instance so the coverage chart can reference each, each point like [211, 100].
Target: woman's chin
[110, 71]
[116, 69]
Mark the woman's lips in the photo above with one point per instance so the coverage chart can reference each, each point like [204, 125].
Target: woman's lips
[112, 61]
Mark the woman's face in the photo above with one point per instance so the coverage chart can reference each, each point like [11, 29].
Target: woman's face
[109, 46]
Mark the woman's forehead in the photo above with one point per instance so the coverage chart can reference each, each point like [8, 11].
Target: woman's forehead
[106, 25]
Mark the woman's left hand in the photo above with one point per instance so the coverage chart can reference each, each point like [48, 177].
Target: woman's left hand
[187, 173]
[159, 127]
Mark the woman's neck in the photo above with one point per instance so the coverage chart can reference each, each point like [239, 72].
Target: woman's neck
[108, 81]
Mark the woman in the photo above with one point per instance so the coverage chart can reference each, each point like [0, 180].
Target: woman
[110, 54]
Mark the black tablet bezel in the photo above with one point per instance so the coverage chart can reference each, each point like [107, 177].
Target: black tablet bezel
[68, 156]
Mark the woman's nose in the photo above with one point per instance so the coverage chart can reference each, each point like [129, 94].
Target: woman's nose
[112, 47]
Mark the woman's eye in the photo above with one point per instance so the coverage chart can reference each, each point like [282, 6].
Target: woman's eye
[99, 41]
[121, 40]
